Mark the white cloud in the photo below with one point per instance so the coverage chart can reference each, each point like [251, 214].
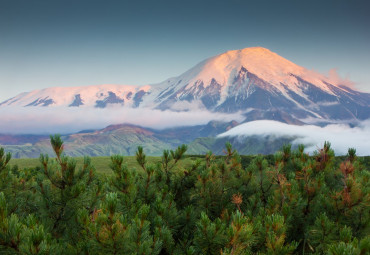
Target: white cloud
[188, 106]
[341, 136]
[39, 120]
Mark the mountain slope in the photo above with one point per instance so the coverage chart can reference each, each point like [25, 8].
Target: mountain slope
[254, 81]
[98, 96]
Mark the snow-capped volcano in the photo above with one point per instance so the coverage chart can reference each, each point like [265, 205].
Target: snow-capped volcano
[263, 63]
[255, 81]
[262, 84]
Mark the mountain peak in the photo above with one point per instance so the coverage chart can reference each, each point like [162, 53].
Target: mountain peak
[255, 50]
[257, 60]
[251, 51]
[248, 50]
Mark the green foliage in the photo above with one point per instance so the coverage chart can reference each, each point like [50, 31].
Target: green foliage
[275, 238]
[4, 159]
[239, 235]
[62, 189]
[210, 237]
[287, 203]
[322, 233]
[107, 230]
[28, 237]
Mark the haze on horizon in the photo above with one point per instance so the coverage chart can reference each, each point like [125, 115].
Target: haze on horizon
[77, 43]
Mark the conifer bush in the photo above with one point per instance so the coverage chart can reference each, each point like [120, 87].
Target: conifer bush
[288, 203]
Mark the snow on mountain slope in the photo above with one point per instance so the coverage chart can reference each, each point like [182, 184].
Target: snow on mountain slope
[254, 81]
[98, 96]
[263, 63]
[257, 60]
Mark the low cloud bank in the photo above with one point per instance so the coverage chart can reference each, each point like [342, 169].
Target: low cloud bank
[340, 136]
[49, 120]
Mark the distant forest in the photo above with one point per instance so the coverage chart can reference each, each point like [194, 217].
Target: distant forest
[287, 203]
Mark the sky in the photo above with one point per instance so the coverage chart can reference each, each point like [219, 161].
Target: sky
[89, 42]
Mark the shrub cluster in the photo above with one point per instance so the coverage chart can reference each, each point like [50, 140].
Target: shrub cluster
[299, 204]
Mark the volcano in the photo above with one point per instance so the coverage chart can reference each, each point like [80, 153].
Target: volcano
[254, 81]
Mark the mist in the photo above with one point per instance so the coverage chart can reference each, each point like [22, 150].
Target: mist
[341, 136]
[50, 120]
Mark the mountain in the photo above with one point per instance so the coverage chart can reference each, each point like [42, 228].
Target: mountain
[114, 139]
[253, 81]
[21, 139]
[98, 96]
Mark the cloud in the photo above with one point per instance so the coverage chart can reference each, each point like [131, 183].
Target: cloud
[335, 78]
[188, 106]
[341, 136]
[49, 120]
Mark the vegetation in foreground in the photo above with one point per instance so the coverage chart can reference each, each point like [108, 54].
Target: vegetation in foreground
[292, 204]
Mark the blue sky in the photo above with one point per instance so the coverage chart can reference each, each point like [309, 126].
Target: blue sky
[85, 42]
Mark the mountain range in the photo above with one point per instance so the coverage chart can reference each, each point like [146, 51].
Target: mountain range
[254, 82]
[122, 139]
